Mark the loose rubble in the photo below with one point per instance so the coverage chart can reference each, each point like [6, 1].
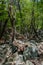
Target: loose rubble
[31, 53]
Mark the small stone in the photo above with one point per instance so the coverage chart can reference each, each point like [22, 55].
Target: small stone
[42, 63]
[29, 62]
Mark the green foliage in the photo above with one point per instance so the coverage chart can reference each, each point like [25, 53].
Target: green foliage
[24, 20]
[26, 9]
[3, 11]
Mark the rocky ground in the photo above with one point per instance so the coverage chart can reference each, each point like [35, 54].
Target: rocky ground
[32, 53]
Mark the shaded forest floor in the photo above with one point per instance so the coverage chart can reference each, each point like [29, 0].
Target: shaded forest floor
[21, 51]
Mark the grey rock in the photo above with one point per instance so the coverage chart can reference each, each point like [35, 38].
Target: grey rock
[29, 63]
